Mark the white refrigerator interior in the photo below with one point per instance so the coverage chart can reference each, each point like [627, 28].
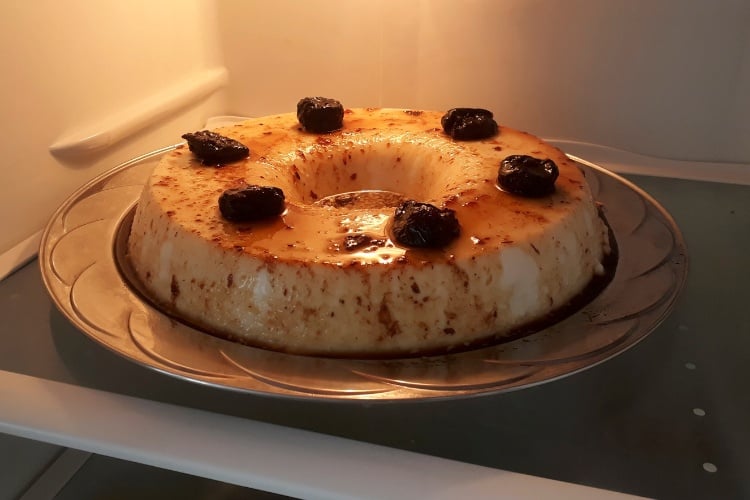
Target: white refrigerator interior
[656, 87]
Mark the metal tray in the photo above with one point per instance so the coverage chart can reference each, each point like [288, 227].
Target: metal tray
[80, 259]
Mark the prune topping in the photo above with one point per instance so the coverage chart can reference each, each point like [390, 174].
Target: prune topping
[251, 203]
[469, 124]
[527, 176]
[320, 115]
[423, 225]
[215, 149]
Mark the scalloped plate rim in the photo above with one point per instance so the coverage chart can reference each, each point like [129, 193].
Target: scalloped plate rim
[59, 292]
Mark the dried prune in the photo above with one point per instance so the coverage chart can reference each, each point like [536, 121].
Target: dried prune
[320, 115]
[215, 149]
[527, 176]
[469, 124]
[251, 203]
[423, 225]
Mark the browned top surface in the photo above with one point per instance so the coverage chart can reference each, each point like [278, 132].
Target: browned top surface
[386, 149]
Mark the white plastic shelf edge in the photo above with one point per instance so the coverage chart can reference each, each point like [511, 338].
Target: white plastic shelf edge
[248, 453]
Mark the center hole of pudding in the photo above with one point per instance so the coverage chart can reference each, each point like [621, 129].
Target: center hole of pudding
[366, 174]
[363, 199]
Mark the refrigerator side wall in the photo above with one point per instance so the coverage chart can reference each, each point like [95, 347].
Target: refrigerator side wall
[90, 76]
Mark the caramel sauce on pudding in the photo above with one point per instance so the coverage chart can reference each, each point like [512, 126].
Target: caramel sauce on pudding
[326, 276]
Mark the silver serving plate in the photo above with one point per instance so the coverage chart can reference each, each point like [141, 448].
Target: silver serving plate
[81, 259]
